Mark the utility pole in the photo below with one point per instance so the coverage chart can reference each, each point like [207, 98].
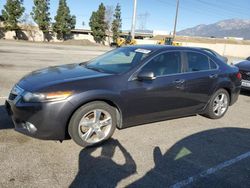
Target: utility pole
[176, 18]
[134, 20]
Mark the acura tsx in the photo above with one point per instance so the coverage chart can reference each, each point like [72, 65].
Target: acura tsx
[124, 87]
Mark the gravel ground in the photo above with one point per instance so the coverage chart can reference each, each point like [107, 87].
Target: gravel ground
[200, 151]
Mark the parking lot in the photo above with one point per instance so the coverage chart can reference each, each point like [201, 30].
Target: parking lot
[193, 151]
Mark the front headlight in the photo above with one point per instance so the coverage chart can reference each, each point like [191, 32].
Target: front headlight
[45, 97]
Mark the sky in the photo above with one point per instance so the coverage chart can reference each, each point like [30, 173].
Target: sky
[156, 14]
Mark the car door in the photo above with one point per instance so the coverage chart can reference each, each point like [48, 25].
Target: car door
[160, 98]
[201, 76]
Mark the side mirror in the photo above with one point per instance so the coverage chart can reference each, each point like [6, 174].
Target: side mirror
[145, 75]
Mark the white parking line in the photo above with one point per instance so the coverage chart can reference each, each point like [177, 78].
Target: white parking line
[3, 97]
[210, 171]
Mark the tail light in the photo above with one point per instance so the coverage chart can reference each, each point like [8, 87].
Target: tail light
[239, 76]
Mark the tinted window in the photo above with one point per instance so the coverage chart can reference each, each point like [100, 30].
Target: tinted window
[164, 64]
[119, 60]
[212, 65]
[197, 62]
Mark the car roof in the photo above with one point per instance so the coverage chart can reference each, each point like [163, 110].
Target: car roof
[209, 50]
[164, 47]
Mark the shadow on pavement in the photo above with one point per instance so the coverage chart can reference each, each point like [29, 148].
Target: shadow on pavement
[245, 92]
[190, 159]
[102, 171]
[5, 120]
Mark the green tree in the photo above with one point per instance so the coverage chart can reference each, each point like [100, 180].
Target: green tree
[12, 12]
[98, 25]
[41, 16]
[1, 18]
[117, 23]
[64, 21]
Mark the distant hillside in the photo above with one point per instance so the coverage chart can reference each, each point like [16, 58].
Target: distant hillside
[225, 28]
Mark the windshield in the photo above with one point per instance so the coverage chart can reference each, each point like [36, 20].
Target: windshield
[119, 60]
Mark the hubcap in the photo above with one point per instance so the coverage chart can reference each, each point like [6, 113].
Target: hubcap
[95, 126]
[220, 104]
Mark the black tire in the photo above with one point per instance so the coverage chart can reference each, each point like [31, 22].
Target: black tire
[209, 112]
[73, 127]
[113, 45]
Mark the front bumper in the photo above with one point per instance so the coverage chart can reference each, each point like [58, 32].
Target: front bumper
[40, 120]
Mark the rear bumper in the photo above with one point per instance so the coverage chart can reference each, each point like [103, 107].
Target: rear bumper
[245, 88]
[46, 121]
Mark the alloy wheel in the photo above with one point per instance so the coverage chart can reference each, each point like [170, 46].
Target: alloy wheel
[220, 104]
[95, 126]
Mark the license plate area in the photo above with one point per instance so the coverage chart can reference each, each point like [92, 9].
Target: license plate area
[245, 83]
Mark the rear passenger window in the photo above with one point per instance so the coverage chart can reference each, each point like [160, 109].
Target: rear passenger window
[212, 64]
[199, 62]
[165, 64]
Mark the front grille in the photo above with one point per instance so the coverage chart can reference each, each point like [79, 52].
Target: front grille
[245, 75]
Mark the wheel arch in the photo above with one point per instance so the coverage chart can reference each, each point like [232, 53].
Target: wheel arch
[226, 85]
[229, 91]
[108, 101]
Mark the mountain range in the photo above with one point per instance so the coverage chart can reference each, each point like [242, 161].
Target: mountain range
[226, 28]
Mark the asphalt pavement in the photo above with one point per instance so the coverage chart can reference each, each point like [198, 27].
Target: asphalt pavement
[186, 152]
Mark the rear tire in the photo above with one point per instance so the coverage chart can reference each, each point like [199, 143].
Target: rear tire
[93, 123]
[218, 105]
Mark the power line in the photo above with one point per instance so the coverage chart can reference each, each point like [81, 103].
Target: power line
[211, 9]
[208, 10]
[219, 7]
[232, 5]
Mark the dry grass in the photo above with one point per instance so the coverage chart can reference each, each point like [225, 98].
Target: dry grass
[83, 42]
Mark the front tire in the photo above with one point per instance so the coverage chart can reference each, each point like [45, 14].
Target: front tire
[218, 104]
[92, 123]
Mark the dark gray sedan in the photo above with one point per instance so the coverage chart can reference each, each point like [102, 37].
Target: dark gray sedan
[125, 87]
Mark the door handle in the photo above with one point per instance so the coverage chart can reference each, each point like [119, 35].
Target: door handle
[212, 76]
[179, 81]
[179, 84]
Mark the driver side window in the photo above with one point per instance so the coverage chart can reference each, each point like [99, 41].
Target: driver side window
[164, 64]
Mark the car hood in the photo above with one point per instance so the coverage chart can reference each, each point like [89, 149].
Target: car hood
[56, 75]
[244, 65]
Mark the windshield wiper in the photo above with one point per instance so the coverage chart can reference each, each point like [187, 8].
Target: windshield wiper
[94, 68]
